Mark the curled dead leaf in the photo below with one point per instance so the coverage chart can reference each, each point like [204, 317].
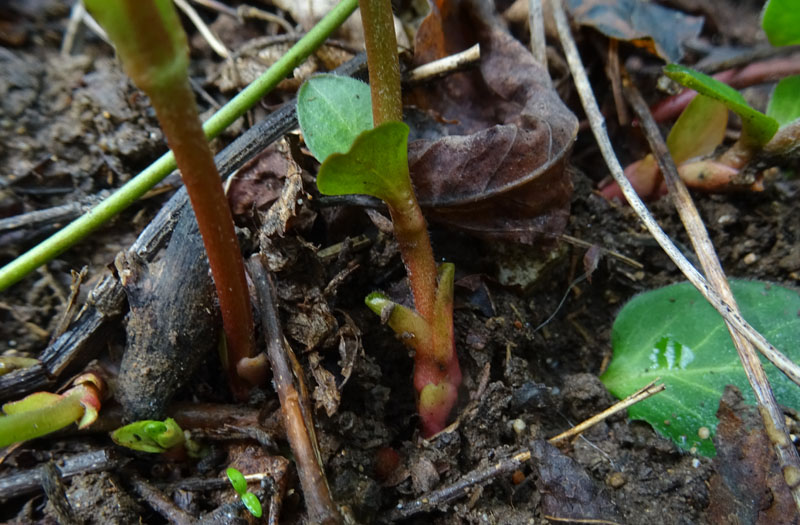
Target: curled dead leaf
[499, 171]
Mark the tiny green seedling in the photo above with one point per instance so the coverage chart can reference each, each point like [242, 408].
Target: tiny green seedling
[685, 343]
[150, 436]
[249, 499]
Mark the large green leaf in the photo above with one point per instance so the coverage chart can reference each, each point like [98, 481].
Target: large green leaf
[674, 334]
[376, 165]
[756, 126]
[784, 104]
[332, 111]
[781, 22]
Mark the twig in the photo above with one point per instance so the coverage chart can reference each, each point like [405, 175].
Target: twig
[458, 489]
[444, 66]
[213, 41]
[640, 395]
[159, 502]
[598, 128]
[536, 26]
[75, 17]
[768, 407]
[30, 480]
[319, 503]
[247, 11]
[611, 253]
[480, 475]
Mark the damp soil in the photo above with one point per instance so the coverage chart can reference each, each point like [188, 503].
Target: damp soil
[533, 334]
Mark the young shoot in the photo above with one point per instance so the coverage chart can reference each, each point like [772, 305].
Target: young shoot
[333, 113]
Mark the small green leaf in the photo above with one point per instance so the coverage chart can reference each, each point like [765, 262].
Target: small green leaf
[253, 505]
[376, 165]
[781, 22]
[237, 480]
[756, 127]
[149, 436]
[699, 130]
[784, 104]
[674, 334]
[332, 111]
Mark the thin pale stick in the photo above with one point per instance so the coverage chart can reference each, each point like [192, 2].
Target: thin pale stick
[536, 25]
[640, 395]
[444, 66]
[214, 42]
[768, 407]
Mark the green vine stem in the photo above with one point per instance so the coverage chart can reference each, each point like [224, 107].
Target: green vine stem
[74, 232]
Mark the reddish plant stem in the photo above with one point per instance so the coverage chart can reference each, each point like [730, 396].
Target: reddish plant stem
[177, 114]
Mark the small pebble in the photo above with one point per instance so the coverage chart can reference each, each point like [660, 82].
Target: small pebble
[750, 258]
[616, 480]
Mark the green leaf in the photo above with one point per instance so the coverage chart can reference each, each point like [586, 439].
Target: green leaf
[237, 480]
[781, 22]
[376, 165]
[784, 104]
[757, 128]
[332, 111]
[674, 334]
[253, 505]
[699, 130]
[149, 436]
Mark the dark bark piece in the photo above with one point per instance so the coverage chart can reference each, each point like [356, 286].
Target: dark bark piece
[568, 493]
[173, 323]
[748, 486]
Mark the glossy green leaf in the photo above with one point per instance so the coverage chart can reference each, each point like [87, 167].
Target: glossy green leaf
[781, 22]
[376, 165]
[674, 334]
[332, 111]
[784, 104]
[149, 436]
[757, 127]
[252, 504]
[237, 480]
[699, 130]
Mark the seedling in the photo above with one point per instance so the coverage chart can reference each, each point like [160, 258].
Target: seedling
[154, 52]
[41, 413]
[333, 113]
[150, 436]
[249, 499]
[689, 349]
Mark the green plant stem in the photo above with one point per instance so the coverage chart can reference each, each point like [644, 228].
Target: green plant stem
[382, 60]
[387, 105]
[36, 423]
[71, 234]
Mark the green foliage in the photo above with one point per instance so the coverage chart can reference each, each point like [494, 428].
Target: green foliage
[149, 436]
[757, 128]
[781, 22]
[240, 486]
[674, 334]
[699, 129]
[332, 111]
[784, 104]
[377, 165]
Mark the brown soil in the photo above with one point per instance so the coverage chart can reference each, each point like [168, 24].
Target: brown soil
[72, 127]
